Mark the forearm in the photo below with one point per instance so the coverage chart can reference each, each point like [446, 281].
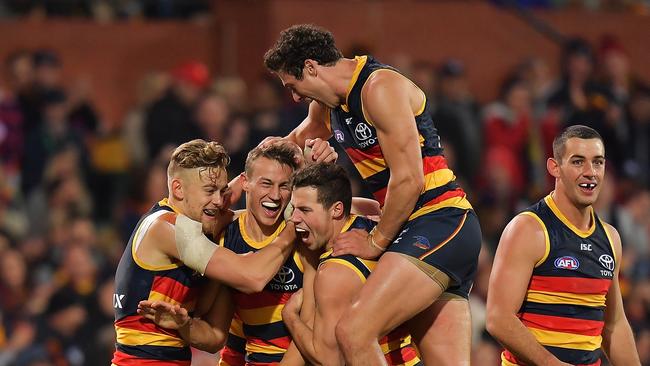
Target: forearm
[292, 357]
[199, 334]
[516, 338]
[619, 345]
[401, 196]
[303, 337]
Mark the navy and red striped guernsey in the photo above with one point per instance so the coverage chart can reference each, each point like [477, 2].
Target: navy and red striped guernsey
[396, 346]
[260, 314]
[139, 340]
[564, 306]
[355, 132]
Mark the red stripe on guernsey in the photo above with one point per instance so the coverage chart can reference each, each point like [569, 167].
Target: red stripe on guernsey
[137, 322]
[401, 356]
[122, 359]
[511, 358]
[232, 357]
[261, 299]
[380, 195]
[458, 192]
[564, 325]
[280, 342]
[433, 163]
[570, 284]
[597, 363]
[172, 288]
[357, 155]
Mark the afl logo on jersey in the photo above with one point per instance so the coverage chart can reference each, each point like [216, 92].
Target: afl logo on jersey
[338, 135]
[362, 132]
[607, 261]
[567, 262]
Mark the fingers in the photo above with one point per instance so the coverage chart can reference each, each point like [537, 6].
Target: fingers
[321, 151]
[270, 141]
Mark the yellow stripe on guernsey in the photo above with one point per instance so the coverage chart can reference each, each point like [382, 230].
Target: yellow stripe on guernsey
[157, 296]
[438, 178]
[458, 202]
[267, 348]
[547, 241]
[567, 340]
[368, 167]
[548, 297]
[414, 361]
[130, 337]
[347, 264]
[237, 328]
[361, 62]
[261, 316]
[250, 241]
[583, 234]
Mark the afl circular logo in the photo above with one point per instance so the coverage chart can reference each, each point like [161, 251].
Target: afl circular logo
[362, 132]
[284, 276]
[567, 262]
[338, 135]
[607, 261]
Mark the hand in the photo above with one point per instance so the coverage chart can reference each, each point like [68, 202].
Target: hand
[293, 306]
[22, 336]
[355, 242]
[164, 314]
[289, 232]
[321, 151]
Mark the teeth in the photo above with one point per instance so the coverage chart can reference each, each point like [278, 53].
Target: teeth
[301, 230]
[210, 212]
[588, 185]
[270, 205]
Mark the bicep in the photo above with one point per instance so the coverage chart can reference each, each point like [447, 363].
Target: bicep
[523, 243]
[614, 302]
[387, 106]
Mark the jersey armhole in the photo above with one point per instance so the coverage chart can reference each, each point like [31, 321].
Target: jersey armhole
[547, 241]
[609, 238]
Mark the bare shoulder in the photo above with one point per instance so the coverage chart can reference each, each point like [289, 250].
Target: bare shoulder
[525, 236]
[334, 280]
[615, 238]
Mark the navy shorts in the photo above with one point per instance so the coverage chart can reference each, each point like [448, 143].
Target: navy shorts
[448, 239]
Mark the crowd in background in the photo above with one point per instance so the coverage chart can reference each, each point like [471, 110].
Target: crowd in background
[73, 186]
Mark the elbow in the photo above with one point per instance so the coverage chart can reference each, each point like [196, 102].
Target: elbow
[412, 184]
[254, 284]
[214, 348]
[493, 324]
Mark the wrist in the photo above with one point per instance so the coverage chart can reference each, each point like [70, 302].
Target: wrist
[186, 327]
[371, 242]
[377, 238]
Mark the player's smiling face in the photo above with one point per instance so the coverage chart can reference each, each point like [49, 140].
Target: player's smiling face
[581, 170]
[314, 225]
[268, 189]
[205, 194]
[310, 86]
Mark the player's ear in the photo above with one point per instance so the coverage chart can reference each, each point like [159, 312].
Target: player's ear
[553, 167]
[310, 67]
[337, 210]
[177, 188]
[245, 183]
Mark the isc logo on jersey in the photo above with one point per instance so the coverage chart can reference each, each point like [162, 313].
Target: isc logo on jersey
[567, 262]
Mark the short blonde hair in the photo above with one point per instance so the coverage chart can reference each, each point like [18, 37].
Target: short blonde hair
[199, 154]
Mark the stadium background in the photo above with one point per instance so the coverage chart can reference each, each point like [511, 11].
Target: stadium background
[93, 93]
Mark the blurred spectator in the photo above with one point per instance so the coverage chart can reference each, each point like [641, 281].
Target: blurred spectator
[53, 136]
[507, 128]
[170, 120]
[238, 143]
[539, 81]
[150, 88]
[457, 118]
[212, 116]
[638, 162]
[235, 91]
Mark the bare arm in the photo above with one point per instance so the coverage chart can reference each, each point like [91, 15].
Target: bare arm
[312, 127]
[365, 207]
[521, 246]
[618, 340]
[248, 273]
[207, 333]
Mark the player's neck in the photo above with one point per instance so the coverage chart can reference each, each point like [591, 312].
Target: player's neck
[255, 230]
[342, 74]
[176, 205]
[337, 227]
[580, 217]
